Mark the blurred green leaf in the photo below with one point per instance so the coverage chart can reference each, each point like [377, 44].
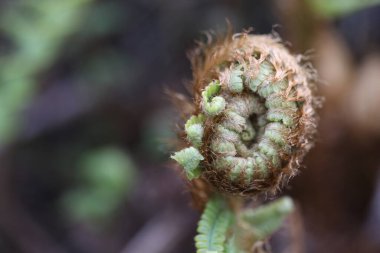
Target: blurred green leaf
[37, 30]
[268, 218]
[108, 168]
[107, 176]
[335, 8]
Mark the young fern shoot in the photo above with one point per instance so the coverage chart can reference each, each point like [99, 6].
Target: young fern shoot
[253, 120]
[254, 115]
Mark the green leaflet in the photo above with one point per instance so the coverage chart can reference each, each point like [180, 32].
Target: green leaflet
[266, 219]
[198, 119]
[213, 227]
[189, 159]
[235, 83]
[266, 70]
[211, 90]
[212, 104]
[194, 129]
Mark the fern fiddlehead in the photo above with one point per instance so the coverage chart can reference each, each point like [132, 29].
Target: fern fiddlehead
[253, 120]
[254, 115]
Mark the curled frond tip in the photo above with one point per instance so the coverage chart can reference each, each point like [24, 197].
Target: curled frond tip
[254, 114]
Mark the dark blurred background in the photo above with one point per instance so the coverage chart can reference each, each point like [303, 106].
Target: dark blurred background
[85, 121]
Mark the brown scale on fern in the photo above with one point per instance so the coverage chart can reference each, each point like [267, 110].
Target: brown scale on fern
[253, 118]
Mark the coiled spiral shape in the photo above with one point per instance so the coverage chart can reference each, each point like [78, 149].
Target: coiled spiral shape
[254, 115]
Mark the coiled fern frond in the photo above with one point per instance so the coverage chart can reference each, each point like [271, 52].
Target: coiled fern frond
[253, 118]
[252, 121]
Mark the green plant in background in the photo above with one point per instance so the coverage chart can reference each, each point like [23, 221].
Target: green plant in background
[336, 8]
[36, 30]
[107, 177]
[253, 121]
